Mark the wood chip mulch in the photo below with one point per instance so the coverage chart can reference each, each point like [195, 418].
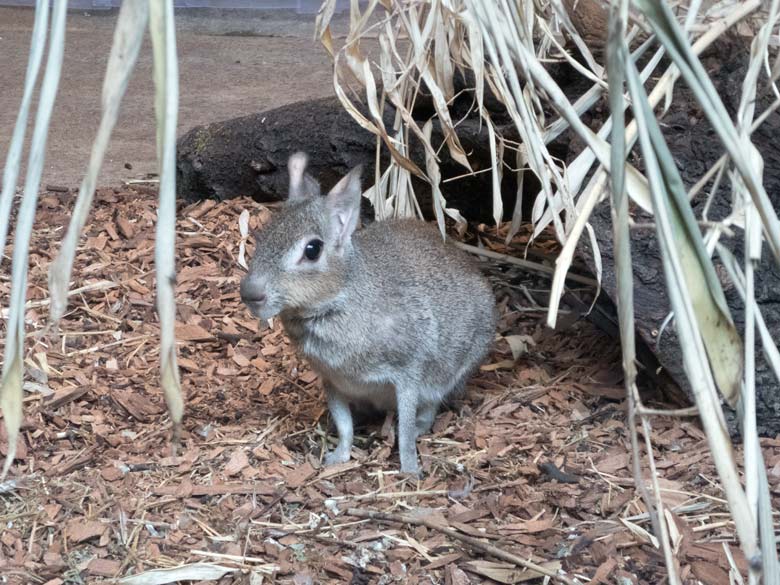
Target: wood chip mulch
[534, 460]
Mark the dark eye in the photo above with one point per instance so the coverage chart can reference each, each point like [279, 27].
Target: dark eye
[313, 250]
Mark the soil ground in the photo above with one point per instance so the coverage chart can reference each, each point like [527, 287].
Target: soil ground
[231, 63]
[534, 460]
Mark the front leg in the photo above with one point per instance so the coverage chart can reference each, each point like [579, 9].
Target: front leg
[342, 418]
[407, 429]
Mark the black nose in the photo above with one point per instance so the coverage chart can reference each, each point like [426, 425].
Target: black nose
[251, 293]
[258, 299]
[254, 298]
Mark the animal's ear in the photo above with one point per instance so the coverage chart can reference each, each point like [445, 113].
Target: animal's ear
[343, 203]
[302, 185]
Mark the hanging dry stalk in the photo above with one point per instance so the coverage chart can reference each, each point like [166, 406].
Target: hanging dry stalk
[133, 18]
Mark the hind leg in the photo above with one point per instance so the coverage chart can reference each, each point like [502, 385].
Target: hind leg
[459, 390]
[426, 414]
[457, 393]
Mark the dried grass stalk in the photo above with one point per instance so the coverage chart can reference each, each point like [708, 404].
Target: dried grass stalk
[11, 388]
[131, 24]
[166, 81]
[128, 36]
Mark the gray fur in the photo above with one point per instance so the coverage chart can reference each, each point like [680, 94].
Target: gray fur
[389, 315]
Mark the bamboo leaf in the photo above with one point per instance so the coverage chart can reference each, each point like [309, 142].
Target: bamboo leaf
[443, 69]
[720, 336]
[636, 184]
[243, 229]
[477, 61]
[616, 64]
[756, 482]
[771, 352]
[432, 168]
[322, 25]
[11, 393]
[361, 69]
[394, 89]
[497, 158]
[505, 77]
[566, 255]
[193, 572]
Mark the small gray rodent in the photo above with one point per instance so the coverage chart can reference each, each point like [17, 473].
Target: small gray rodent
[390, 315]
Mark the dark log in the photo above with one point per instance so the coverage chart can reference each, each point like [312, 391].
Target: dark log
[247, 156]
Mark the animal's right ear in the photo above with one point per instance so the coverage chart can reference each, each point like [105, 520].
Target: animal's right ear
[343, 203]
[302, 185]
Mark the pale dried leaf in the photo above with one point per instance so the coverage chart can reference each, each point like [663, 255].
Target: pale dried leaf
[194, 572]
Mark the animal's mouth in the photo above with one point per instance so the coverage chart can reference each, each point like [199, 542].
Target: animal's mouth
[256, 308]
[262, 310]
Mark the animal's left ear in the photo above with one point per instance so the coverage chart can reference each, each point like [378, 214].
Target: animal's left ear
[302, 185]
[343, 204]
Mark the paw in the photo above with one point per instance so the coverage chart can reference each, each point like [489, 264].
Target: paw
[411, 469]
[423, 428]
[410, 466]
[336, 456]
[425, 419]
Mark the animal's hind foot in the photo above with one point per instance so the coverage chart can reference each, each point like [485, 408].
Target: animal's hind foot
[426, 415]
[336, 456]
